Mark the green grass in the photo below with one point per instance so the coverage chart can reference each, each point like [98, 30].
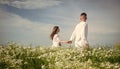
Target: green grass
[14, 56]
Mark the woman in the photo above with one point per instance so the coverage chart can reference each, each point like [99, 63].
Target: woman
[55, 37]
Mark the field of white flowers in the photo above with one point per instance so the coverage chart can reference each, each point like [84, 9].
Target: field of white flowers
[14, 56]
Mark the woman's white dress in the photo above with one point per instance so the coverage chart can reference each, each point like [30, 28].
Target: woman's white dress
[56, 41]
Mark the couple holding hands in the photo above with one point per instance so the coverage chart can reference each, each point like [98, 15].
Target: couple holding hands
[79, 34]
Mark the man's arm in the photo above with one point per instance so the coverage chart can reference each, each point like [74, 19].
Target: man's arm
[72, 36]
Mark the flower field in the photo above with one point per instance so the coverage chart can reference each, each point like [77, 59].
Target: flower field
[14, 56]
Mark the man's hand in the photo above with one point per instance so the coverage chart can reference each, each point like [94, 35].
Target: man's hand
[69, 42]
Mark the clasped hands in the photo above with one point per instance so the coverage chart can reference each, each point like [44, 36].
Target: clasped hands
[69, 42]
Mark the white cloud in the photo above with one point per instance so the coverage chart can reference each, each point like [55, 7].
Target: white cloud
[30, 4]
[10, 19]
[15, 28]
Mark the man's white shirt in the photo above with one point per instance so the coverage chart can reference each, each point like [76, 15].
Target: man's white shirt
[80, 34]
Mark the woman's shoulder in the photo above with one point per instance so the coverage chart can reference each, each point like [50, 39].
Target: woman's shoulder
[56, 35]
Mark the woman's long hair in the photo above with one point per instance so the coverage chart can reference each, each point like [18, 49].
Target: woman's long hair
[54, 31]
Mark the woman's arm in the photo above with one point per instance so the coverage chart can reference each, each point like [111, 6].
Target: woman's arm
[63, 41]
[59, 40]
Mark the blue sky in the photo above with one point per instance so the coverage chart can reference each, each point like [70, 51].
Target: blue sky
[31, 21]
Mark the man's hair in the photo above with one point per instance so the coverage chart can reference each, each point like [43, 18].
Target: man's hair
[83, 14]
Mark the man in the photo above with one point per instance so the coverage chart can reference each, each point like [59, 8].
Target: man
[80, 33]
